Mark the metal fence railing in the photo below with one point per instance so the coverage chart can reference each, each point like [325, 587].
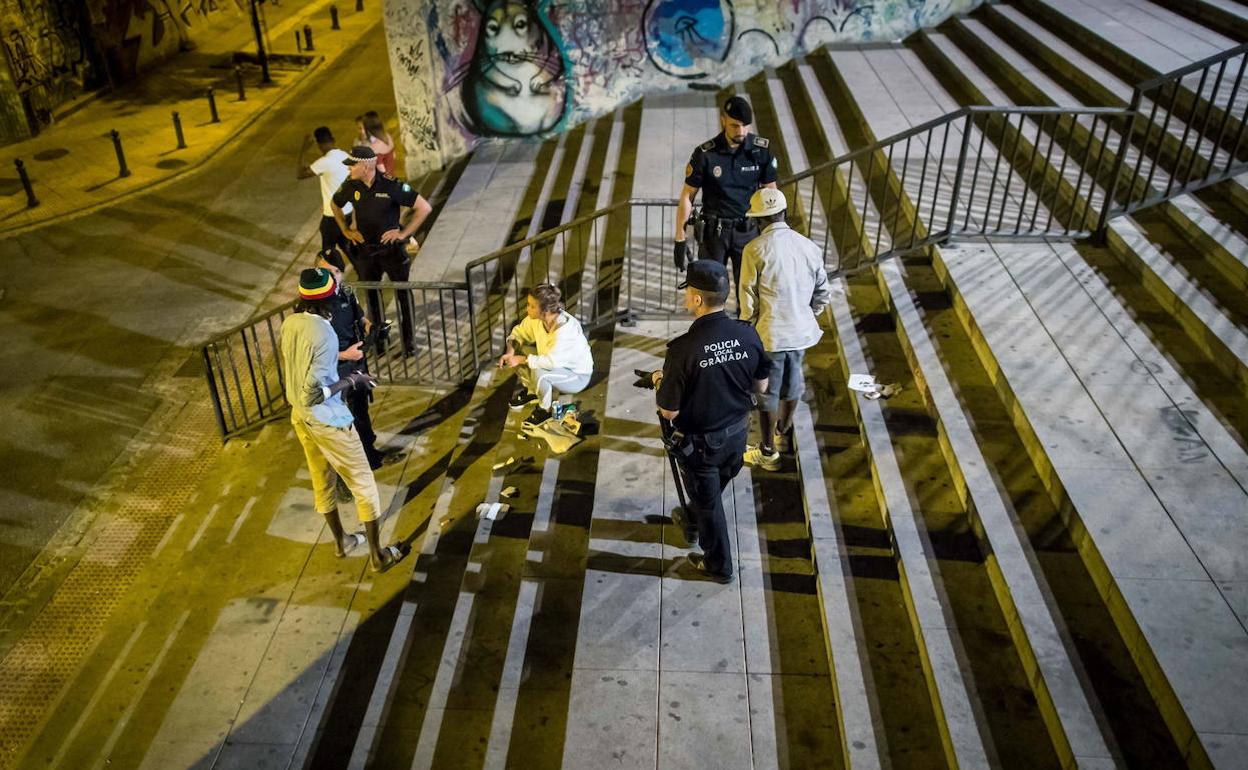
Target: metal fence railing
[1000, 172]
[243, 366]
[1184, 139]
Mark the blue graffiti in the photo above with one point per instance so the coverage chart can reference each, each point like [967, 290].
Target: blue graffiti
[684, 37]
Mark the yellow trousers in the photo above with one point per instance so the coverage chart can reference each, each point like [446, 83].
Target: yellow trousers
[334, 452]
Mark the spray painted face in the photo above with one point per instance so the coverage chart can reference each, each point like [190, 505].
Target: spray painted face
[516, 84]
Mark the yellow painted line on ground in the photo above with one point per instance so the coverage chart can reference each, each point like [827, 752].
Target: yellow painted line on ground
[238, 523]
[164, 540]
[102, 760]
[102, 688]
[203, 526]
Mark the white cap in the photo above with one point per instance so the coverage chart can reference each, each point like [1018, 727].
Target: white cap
[765, 202]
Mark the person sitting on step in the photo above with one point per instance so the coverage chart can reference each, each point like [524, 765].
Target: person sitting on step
[549, 351]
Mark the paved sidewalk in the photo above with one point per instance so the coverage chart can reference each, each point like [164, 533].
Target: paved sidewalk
[72, 164]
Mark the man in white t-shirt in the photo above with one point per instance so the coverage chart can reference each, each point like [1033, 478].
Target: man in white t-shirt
[332, 173]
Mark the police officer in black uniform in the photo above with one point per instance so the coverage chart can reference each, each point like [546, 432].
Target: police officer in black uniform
[378, 200]
[706, 390]
[352, 327]
[728, 169]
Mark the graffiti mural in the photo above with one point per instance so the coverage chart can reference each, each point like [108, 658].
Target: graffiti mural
[138, 33]
[45, 45]
[467, 71]
[515, 83]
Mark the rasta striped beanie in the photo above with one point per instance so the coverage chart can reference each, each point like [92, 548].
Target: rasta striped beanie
[316, 283]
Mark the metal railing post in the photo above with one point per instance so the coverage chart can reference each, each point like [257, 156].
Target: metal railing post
[31, 200]
[213, 393]
[122, 169]
[212, 106]
[1124, 140]
[177, 130]
[957, 176]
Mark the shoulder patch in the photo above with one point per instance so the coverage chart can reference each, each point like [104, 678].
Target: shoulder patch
[707, 145]
[761, 142]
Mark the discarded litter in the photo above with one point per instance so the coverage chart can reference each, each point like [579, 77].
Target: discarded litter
[863, 383]
[491, 510]
[870, 389]
[509, 492]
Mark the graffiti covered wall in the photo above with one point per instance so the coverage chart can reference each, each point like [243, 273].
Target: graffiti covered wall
[135, 34]
[472, 70]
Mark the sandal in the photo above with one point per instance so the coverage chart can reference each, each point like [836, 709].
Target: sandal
[390, 556]
[354, 540]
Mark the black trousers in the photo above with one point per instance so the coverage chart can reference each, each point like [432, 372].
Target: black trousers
[724, 240]
[714, 460]
[332, 237]
[373, 261]
[357, 401]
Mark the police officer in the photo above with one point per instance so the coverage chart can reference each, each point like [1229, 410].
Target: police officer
[352, 327]
[728, 169]
[378, 199]
[706, 390]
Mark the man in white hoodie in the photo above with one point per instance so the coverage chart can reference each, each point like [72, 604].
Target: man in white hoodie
[784, 288]
[556, 357]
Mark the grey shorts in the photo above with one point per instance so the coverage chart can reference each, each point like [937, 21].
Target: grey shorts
[787, 382]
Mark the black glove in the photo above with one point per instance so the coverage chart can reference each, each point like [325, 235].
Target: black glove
[680, 255]
[644, 379]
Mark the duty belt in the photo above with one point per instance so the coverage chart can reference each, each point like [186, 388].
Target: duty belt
[694, 438]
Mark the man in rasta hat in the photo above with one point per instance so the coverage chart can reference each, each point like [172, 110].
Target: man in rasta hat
[324, 425]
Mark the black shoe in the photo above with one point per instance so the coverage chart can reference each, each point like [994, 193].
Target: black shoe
[519, 400]
[699, 563]
[377, 458]
[537, 416]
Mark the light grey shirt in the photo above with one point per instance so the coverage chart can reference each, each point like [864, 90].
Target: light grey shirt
[310, 366]
[784, 287]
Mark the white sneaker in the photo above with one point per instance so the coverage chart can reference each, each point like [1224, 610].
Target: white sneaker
[756, 456]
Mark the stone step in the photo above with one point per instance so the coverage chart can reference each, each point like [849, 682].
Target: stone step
[1079, 66]
[1161, 573]
[966, 741]
[1220, 244]
[1057, 681]
[1227, 17]
[1038, 629]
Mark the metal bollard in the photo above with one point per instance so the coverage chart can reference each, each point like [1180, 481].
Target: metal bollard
[298, 46]
[212, 105]
[177, 130]
[31, 200]
[359, 5]
[122, 169]
[333, 17]
[238, 75]
[307, 37]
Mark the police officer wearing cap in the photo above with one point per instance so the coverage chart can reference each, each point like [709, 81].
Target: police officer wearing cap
[706, 390]
[728, 169]
[352, 328]
[378, 199]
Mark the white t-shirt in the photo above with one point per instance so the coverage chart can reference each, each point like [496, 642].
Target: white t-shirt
[332, 173]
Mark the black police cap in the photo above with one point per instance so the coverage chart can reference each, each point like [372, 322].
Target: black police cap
[706, 275]
[738, 108]
[359, 153]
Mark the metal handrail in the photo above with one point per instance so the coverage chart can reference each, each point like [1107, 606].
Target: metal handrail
[1196, 66]
[612, 270]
